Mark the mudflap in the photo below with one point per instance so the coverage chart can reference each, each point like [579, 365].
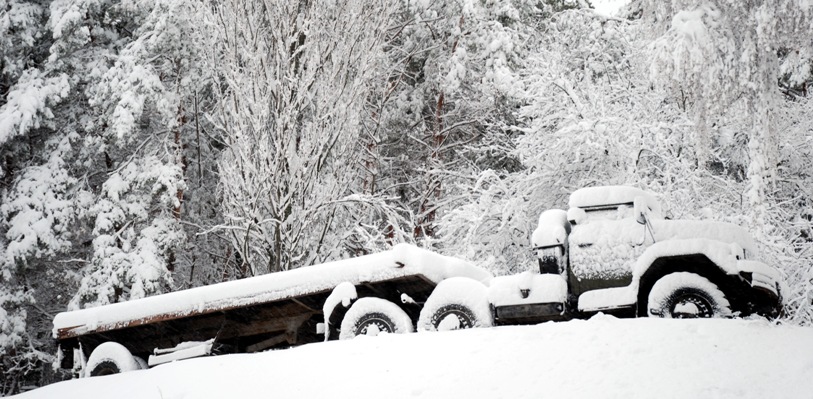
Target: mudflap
[625, 312]
[65, 355]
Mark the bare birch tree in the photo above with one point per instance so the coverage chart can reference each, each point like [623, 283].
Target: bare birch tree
[294, 81]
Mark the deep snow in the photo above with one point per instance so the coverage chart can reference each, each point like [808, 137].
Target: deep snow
[602, 357]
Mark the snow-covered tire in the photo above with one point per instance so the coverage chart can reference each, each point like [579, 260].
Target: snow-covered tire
[686, 295]
[110, 358]
[456, 303]
[371, 316]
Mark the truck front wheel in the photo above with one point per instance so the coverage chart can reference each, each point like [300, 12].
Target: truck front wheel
[453, 316]
[372, 316]
[110, 358]
[456, 303]
[686, 295]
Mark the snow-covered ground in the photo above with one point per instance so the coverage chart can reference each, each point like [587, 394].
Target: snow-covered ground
[603, 357]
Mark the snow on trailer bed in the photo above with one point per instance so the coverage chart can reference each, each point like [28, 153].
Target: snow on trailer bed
[402, 261]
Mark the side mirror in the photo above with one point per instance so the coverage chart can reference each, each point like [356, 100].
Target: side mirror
[641, 209]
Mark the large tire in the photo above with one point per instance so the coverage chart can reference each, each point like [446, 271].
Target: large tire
[110, 358]
[686, 295]
[456, 303]
[371, 316]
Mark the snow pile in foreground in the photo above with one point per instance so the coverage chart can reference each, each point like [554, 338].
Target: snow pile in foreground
[599, 358]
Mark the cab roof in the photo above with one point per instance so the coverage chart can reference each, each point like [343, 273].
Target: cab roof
[590, 197]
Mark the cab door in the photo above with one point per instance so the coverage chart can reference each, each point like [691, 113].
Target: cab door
[604, 245]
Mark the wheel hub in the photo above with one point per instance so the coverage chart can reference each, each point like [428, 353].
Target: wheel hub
[373, 325]
[692, 306]
[452, 317]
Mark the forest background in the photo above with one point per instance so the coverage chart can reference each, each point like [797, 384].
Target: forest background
[149, 146]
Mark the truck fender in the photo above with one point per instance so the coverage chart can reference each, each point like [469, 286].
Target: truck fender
[711, 259]
[724, 255]
[344, 294]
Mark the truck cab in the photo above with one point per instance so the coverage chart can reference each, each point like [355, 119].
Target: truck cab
[613, 246]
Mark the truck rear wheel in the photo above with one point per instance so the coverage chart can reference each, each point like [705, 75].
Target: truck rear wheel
[456, 303]
[110, 358]
[686, 295]
[372, 316]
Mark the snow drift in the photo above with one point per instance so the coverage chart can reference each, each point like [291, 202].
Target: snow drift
[603, 357]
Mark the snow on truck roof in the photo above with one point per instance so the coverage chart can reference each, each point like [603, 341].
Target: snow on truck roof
[610, 195]
[403, 260]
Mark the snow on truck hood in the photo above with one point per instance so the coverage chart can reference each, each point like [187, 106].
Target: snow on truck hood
[610, 233]
[663, 229]
[403, 260]
[719, 231]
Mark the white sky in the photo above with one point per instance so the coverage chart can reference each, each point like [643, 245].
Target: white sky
[608, 7]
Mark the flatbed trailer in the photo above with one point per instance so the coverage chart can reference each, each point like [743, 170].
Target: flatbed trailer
[258, 313]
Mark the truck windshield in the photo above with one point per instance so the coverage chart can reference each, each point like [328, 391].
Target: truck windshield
[609, 212]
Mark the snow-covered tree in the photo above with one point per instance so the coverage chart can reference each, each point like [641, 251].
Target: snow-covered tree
[294, 78]
[99, 103]
[21, 38]
[580, 121]
[144, 105]
[722, 61]
[720, 56]
[450, 75]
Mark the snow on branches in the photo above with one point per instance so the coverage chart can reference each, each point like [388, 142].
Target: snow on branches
[29, 104]
[290, 116]
[716, 54]
[133, 241]
[39, 211]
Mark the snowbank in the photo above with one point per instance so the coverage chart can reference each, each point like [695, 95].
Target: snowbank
[599, 358]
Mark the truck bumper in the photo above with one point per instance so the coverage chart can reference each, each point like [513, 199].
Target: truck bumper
[760, 276]
[766, 288]
[529, 313]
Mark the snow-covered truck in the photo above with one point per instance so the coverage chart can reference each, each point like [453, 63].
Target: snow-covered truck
[610, 252]
[618, 254]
